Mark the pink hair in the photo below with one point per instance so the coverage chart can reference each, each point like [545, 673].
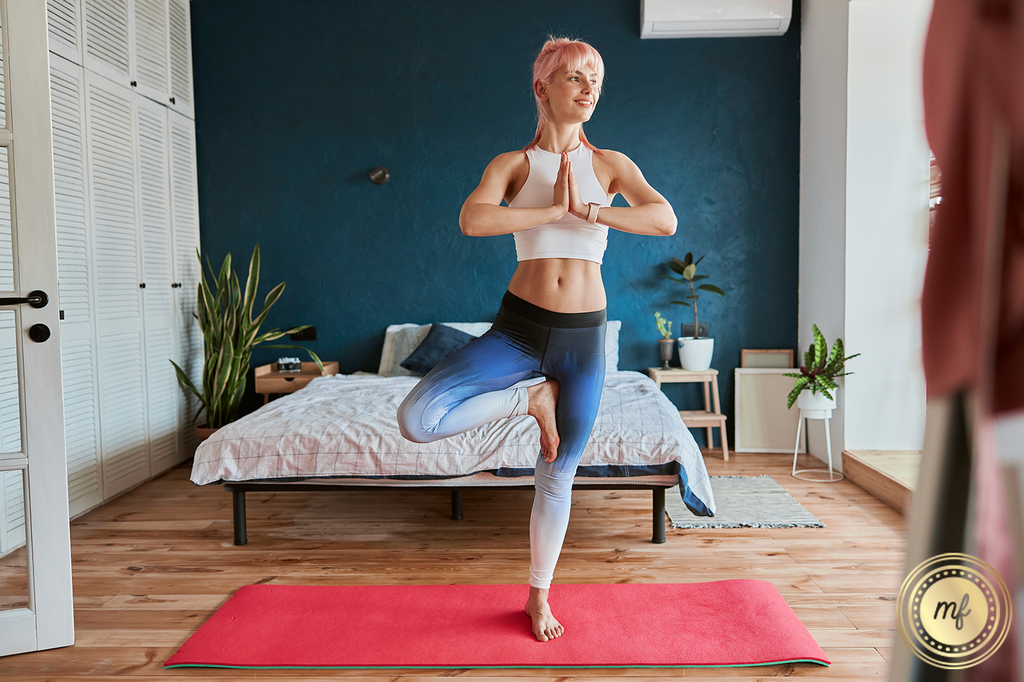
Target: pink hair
[557, 56]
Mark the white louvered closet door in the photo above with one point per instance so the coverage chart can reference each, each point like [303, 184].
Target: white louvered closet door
[158, 296]
[180, 34]
[127, 215]
[76, 273]
[107, 39]
[150, 47]
[63, 19]
[185, 217]
[110, 115]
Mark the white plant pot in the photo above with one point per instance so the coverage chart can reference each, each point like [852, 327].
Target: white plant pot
[815, 405]
[695, 354]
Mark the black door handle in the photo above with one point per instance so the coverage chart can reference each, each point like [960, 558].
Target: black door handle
[36, 299]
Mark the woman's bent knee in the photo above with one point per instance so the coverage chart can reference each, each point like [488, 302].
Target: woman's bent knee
[410, 423]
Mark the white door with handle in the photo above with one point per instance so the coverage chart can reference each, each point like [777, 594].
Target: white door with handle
[35, 546]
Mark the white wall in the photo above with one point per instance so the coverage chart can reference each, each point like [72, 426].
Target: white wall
[823, 64]
[864, 211]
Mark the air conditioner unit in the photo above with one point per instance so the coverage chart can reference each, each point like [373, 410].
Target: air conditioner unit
[714, 18]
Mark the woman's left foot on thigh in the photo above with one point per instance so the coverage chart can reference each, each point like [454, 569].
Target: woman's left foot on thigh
[545, 626]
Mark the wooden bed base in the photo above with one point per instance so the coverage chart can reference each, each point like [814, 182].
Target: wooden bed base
[238, 491]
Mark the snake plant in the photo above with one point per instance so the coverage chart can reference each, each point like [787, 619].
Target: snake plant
[230, 332]
[818, 373]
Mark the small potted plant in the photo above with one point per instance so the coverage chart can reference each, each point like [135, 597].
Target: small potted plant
[225, 314]
[694, 353]
[666, 345]
[817, 377]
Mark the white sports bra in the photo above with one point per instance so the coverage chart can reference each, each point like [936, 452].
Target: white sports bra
[569, 236]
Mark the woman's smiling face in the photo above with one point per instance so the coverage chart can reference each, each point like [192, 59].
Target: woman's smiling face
[572, 95]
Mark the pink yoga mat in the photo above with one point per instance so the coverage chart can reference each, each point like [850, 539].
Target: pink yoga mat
[722, 623]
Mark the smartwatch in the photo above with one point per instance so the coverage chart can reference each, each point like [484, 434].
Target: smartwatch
[592, 215]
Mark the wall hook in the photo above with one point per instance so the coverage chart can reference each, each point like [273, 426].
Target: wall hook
[379, 175]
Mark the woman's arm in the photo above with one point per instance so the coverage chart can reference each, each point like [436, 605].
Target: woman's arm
[648, 212]
[483, 215]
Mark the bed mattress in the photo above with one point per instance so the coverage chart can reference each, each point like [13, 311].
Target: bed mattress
[344, 427]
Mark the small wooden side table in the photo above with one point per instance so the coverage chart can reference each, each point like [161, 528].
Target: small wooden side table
[706, 418]
[269, 380]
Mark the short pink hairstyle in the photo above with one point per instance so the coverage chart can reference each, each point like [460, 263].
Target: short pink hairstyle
[558, 56]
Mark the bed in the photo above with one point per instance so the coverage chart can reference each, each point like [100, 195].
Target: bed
[340, 433]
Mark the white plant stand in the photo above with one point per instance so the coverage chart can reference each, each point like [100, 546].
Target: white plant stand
[814, 406]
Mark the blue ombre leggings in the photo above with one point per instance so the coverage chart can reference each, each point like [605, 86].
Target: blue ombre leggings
[487, 380]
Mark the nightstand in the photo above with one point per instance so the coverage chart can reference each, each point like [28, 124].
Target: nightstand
[270, 381]
[706, 418]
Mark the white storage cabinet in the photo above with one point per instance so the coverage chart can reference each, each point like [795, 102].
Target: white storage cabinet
[128, 230]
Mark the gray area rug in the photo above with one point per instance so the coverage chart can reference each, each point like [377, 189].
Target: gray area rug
[743, 501]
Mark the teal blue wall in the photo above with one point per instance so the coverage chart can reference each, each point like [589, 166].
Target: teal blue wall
[296, 101]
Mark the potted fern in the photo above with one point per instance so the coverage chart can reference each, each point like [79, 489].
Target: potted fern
[694, 353]
[230, 332]
[817, 377]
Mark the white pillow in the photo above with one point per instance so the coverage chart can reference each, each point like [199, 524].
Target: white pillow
[400, 340]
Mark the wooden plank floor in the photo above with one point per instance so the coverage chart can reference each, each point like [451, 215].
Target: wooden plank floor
[151, 566]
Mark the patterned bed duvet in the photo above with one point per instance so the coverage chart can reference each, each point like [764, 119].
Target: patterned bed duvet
[344, 426]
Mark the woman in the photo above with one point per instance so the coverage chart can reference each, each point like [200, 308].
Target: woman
[544, 355]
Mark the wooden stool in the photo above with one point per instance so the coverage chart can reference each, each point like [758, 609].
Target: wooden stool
[706, 418]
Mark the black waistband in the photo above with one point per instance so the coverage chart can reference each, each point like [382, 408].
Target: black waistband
[550, 318]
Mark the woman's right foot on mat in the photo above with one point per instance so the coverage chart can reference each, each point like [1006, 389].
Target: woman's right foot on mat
[543, 398]
[545, 626]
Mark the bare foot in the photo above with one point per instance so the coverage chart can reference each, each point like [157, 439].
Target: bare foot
[545, 626]
[543, 399]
